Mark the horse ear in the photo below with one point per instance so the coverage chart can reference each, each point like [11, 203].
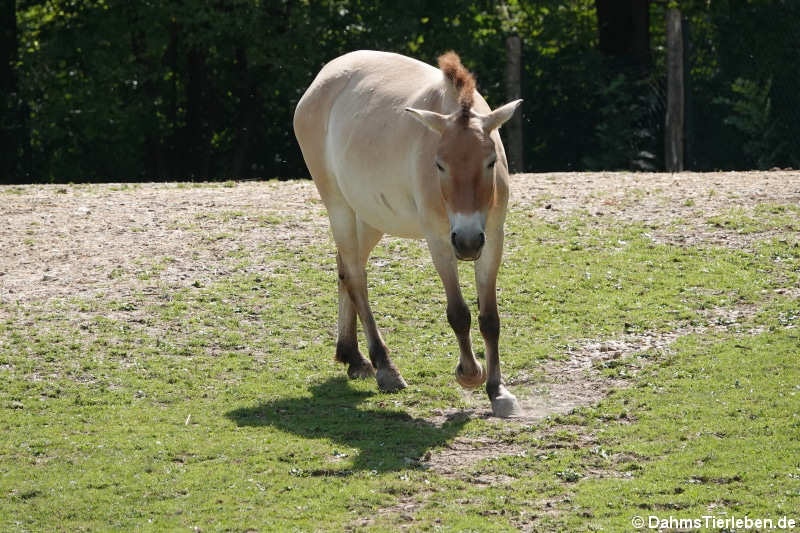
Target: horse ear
[433, 120]
[499, 116]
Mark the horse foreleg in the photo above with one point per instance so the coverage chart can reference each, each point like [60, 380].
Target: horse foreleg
[469, 372]
[504, 404]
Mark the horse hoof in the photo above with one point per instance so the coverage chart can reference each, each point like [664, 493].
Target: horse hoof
[470, 381]
[390, 380]
[361, 370]
[505, 405]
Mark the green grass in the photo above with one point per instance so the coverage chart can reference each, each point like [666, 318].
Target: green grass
[218, 405]
[743, 460]
[763, 218]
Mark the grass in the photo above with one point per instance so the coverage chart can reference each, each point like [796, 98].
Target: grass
[217, 406]
[764, 217]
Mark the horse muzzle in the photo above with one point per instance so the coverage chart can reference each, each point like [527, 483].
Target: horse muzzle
[467, 235]
[467, 245]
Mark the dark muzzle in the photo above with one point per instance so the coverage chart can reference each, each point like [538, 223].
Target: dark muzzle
[468, 245]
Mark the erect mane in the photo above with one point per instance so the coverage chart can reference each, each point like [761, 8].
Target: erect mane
[461, 78]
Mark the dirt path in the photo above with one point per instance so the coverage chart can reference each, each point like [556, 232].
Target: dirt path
[62, 241]
[677, 206]
[59, 241]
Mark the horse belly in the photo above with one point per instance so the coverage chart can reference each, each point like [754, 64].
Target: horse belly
[372, 145]
[390, 209]
[372, 169]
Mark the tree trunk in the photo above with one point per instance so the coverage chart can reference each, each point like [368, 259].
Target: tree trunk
[10, 126]
[673, 122]
[246, 116]
[513, 128]
[688, 103]
[168, 156]
[624, 29]
[195, 138]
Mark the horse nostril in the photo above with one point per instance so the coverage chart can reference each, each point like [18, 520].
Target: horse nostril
[482, 239]
[453, 238]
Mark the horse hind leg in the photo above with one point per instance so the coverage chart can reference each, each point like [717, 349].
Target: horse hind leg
[347, 351]
[342, 223]
[355, 240]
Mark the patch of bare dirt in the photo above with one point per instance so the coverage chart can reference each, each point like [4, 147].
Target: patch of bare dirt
[455, 459]
[652, 197]
[401, 514]
[61, 241]
[66, 241]
[678, 206]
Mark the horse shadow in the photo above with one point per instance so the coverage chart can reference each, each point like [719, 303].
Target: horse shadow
[386, 439]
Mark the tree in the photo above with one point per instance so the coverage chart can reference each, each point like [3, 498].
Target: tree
[9, 112]
[624, 29]
[674, 116]
[120, 90]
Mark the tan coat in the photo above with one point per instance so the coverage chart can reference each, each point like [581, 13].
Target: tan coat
[396, 146]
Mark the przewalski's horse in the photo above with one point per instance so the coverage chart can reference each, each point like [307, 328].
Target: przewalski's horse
[398, 147]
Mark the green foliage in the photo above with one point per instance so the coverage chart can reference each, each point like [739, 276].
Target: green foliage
[624, 136]
[744, 84]
[121, 90]
[117, 90]
[751, 114]
[562, 80]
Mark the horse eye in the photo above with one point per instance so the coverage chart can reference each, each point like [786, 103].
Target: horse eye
[440, 167]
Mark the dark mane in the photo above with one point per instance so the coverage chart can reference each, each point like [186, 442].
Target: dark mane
[461, 78]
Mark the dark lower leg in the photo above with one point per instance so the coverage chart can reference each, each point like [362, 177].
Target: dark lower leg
[504, 404]
[347, 351]
[489, 323]
[353, 279]
[469, 372]
[460, 320]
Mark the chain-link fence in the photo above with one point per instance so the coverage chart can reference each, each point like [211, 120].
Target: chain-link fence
[741, 90]
[741, 85]
[161, 99]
